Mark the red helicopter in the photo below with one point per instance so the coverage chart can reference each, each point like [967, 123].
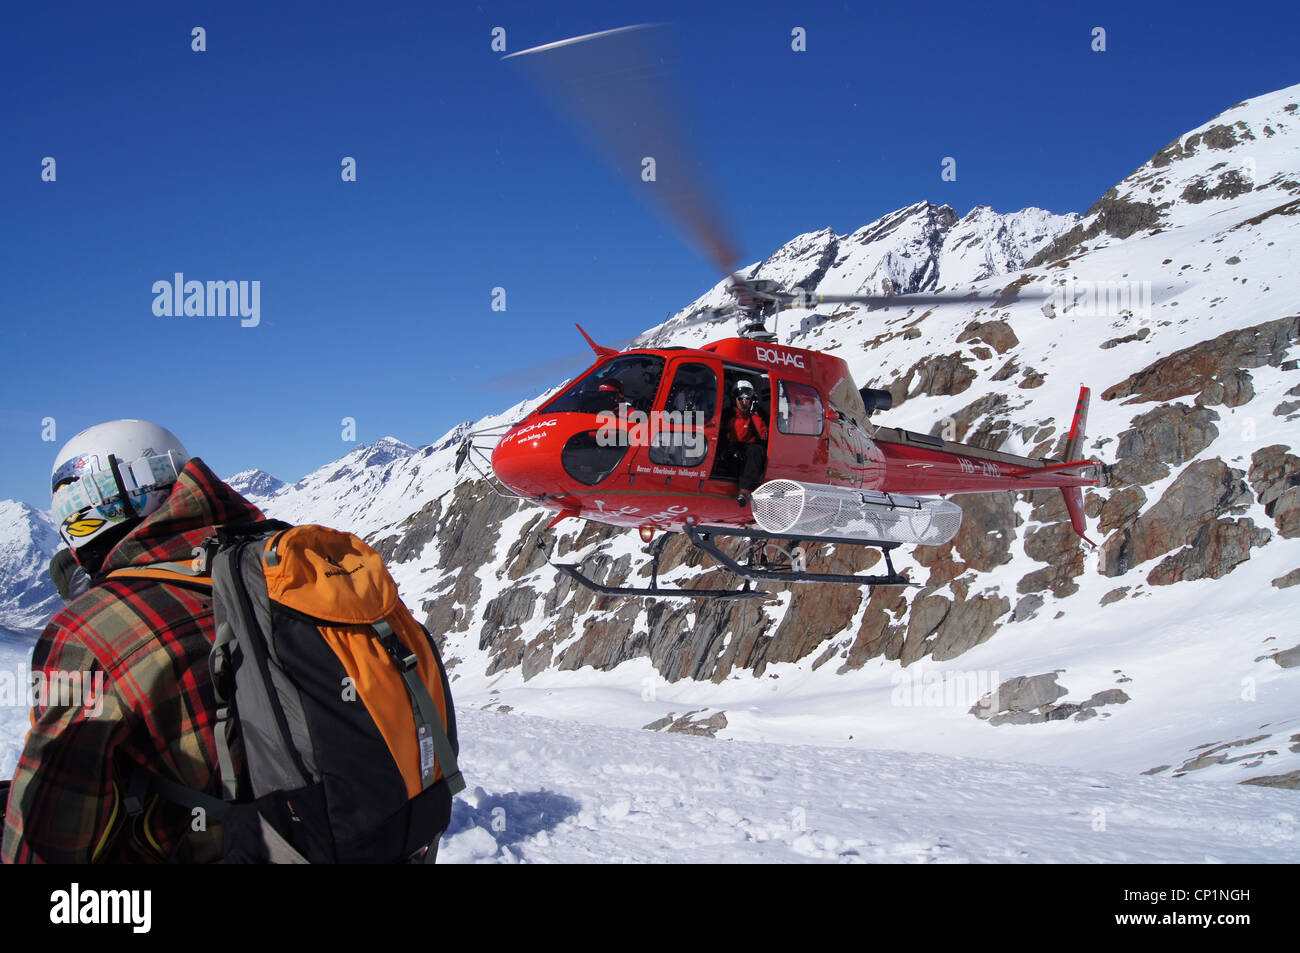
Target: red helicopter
[639, 440]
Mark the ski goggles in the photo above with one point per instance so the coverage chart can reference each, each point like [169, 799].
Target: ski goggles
[95, 490]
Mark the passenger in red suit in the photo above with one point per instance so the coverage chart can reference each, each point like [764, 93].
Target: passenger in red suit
[746, 428]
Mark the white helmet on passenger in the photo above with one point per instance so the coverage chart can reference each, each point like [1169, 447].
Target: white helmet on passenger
[109, 478]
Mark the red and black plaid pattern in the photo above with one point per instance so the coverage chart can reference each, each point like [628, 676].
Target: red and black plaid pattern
[151, 641]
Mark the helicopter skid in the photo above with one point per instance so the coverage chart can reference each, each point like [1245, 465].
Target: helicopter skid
[657, 592]
[703, 539]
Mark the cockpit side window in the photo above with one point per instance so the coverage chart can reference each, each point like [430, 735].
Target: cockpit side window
[694, 390]
[679, 438]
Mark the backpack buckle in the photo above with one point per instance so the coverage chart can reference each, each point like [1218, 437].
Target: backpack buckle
[403, 662]
[394, 647]
[202, 555]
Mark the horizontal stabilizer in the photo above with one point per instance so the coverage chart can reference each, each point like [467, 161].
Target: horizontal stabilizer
[1052, 468]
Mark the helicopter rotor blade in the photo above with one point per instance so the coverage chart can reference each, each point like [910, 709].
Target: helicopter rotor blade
[747, 295]
[540, 376]
[909, 300]
[621, 87]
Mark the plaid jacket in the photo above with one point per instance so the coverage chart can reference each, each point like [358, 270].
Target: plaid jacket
[148, 641]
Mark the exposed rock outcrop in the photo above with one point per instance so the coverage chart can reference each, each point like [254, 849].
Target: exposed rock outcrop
[942, 375]
[1274, 475]
[1287, 658]
[1030, 700]
[1219, 361]
[882, 631]
[704, 727]
[1114, 216]
[1222, 754]
[1202, 493]
[996, 334]
[1169, 435]
[1215, 550]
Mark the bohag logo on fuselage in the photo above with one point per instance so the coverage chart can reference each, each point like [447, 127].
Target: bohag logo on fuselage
[771, 355]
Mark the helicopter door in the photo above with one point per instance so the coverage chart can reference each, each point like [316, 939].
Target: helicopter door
[798, 443]
[687, 421]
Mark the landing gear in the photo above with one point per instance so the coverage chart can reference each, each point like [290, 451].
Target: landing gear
[655, 551]
[762, 553]
[703, 538]
[764, 558]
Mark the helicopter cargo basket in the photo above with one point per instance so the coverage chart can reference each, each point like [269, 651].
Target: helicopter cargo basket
[789, 507]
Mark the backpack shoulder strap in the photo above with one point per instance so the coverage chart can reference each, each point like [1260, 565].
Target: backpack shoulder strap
[429, 723]
[144, 782]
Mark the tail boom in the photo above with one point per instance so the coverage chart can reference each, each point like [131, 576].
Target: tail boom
[924, 464]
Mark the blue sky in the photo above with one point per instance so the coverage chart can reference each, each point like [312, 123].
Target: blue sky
[376, 294]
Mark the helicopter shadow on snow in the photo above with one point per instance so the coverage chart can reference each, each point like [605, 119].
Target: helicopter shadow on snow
[511, 817]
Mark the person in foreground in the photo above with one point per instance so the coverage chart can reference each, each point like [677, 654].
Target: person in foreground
[228, 687]
[125, 664]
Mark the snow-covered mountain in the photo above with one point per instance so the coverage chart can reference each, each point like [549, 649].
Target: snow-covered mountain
[923, 247]
[27, 541]
[1171, 649]
[255, 483]
[371, 486]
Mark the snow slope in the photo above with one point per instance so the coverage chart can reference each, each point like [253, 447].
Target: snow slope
[15, 664]
[553, 792]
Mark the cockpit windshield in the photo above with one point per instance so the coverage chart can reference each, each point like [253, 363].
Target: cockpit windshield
[631, 379]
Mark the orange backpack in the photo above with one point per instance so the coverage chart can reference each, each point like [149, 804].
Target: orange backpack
[335, 729]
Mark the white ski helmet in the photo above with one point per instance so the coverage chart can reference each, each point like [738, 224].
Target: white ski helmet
[112, 475]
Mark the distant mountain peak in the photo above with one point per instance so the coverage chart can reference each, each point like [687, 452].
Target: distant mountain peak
[392, 443]
[454, 436]
[920, 247]
[253, 484]
[27, 541]
[383, 451]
